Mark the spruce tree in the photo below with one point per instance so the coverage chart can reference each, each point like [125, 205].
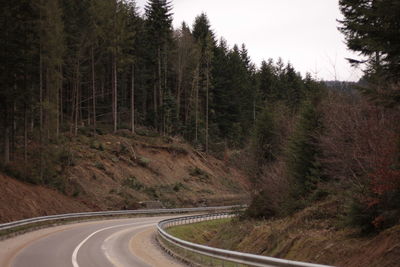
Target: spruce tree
[158, 33]
[372, 28]
[302, 167]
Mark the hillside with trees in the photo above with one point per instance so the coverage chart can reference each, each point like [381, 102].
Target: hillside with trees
[101, 104]
[76, 73]
[73, 67]
[325, 160]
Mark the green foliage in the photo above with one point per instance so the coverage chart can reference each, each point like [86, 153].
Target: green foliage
[96, 145]
[372, 28]
[133, 183]
[318, 195]
[261, 206]
[265, 139]
[99, 165]
[152, 192]
[201, 174]
[15, 172]
[361, 216]
[144, 162]
[302, 167]
[178, 186]
[66, 157]
[61, 58]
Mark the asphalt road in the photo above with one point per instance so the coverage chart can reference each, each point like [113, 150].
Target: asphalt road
[122, 242]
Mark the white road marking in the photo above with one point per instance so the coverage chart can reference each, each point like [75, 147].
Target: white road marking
[75, 253]
[107, 244]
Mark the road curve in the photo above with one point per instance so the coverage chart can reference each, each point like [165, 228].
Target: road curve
[119, 243]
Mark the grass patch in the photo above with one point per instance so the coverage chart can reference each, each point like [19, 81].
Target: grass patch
[199, 233]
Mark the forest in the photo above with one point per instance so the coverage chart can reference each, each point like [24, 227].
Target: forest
[95, 67]
[75, 66]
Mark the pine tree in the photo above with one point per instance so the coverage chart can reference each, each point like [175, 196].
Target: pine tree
[268, 81]
[372, 28]
[206, 42]
[158, 30]
[302, 167]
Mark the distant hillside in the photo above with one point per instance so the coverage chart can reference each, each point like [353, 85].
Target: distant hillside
[341, 85]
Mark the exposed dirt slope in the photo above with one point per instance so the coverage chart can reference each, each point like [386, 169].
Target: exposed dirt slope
[112, 172]
[120, 171]
[20, 200]
[311, 235]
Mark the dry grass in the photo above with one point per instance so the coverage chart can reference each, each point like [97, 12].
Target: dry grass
[311, 235]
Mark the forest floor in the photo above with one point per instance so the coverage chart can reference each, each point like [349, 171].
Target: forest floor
[127, 171]
[312, 235]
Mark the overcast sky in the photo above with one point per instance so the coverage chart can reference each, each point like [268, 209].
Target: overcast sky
[303, 32]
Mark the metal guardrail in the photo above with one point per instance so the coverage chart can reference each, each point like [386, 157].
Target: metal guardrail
[15, 224]
[213, 256]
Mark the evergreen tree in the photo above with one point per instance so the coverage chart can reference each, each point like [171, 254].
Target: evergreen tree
[302, 166]
[372, 28]
[206, 42]
[159, 35]
[267, 81]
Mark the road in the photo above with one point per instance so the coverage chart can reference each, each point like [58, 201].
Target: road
[120, 242]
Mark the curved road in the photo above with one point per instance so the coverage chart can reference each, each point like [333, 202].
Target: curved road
[119, 243]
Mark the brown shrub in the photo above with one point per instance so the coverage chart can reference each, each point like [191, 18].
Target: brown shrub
[360, 150]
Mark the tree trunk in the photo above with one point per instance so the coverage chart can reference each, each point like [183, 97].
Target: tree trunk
[47, 109]
[6, 136]
[114, 71]
[57, 109]
[207, 91]
[165, 130]
[178, 95]
[25, 134]
[254, 111]
[197, 104]
[13, 129]
[77, 98]
[41, 113]
[115, 92]
[7, 144]
[31, 117]
[61, 108]
[160, 92]
[93, 95]
[133, 99]
[155, 103]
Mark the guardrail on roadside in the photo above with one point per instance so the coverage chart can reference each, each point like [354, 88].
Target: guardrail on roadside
[204, 255]
[15, 224]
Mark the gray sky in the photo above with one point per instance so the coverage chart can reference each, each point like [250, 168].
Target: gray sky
[303, 32]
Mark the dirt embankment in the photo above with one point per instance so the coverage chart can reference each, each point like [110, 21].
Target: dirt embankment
[125, 171]
[121, 171]
[20, 200]
[311, 235]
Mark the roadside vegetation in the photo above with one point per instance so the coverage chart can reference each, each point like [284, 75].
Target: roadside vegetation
[325, 162]
[108, 109]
